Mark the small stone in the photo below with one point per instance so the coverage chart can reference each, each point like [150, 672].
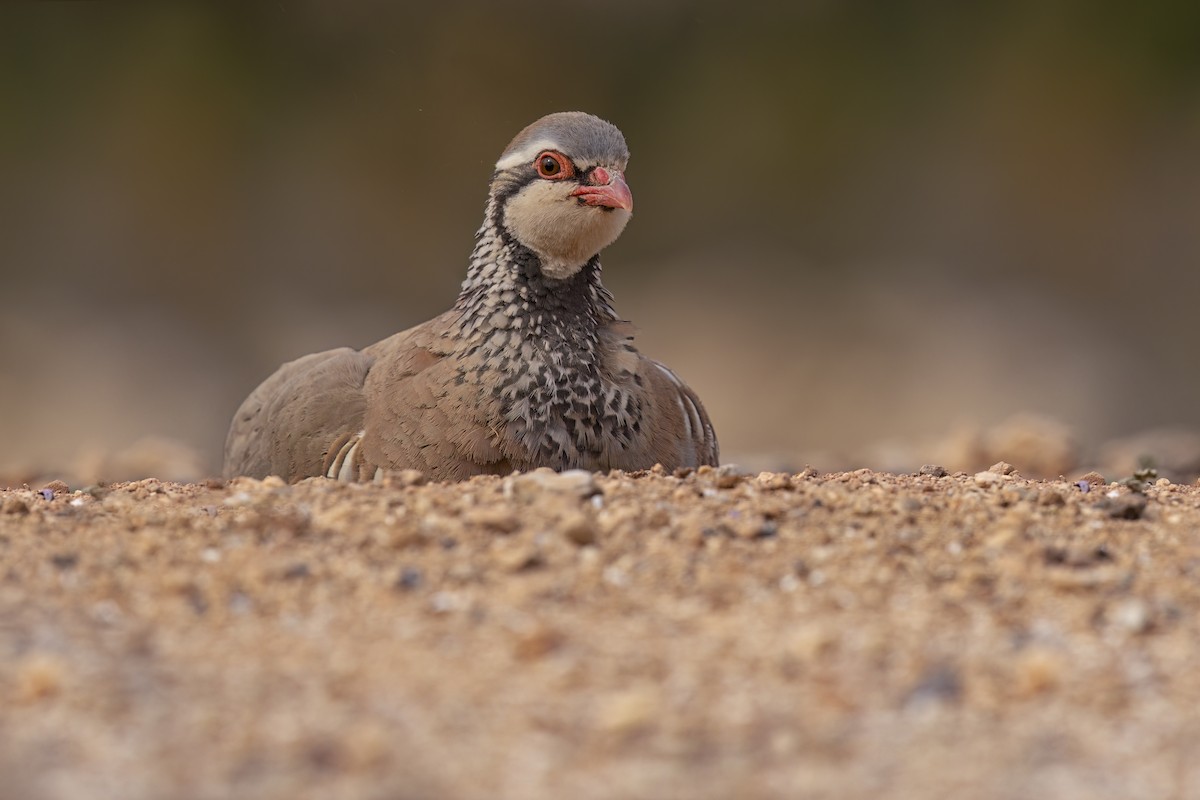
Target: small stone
[774, 481]
[809, 642]
[1037, 671]
[514, 556]
[1125, 506]
[1050, 498]
[730, 475]
[365, 746]
[498, 520]
[402, 479]
[1088, 579]
[64, 560]
[239, 499]
[39, 677]
[628, 711]
[575, 482]
[933, 470]
[988, 478]
[579, 528]
[1132, 615]
[615, 576]
[938, 685]
[751, 528]
[296, 572]
[410, 578]
[445, 602]
[537, 643]
[865, 506]
[14, 505]
[1002, 467]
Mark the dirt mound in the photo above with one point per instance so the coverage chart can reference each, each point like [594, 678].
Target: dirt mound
[638, 636]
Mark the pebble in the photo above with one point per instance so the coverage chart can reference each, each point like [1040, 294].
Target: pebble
[402, 479]
[499, 520]
[1037, 670]
[529, 485]
[730, 475]
[1132, 615]
[410, 578]
[239, 499]
[615, 576]
[515, 556]
[14, 505]
[39, 677]
[1050, 498]
[774, 481]
[629, 710]
[579, 528]
[445, 602]
[988, 478]
[537, 642]
[1126, 506]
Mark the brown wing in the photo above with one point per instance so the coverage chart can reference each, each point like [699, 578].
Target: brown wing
[288, 424]
[675, 429]
[424, 413]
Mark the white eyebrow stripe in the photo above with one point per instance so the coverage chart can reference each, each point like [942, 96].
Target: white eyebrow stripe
[526, 154]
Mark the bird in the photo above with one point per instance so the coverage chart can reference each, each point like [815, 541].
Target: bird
[530, 368]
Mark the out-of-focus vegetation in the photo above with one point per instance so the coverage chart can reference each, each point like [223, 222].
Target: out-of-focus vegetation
[855, 220]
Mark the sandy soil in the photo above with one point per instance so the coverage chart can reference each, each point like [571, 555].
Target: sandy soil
[711, 635]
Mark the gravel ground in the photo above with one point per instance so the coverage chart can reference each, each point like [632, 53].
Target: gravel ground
[710, 635]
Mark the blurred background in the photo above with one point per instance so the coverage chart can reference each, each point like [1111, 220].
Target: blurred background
[868, 233]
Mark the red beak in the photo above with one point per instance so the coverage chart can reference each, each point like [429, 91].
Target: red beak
[605, 189]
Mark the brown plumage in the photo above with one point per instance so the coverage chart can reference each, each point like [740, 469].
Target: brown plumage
[530, 368]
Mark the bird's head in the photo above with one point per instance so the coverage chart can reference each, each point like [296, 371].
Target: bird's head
[560, 189]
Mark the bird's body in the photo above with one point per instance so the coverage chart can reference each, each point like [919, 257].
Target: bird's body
[530, 368]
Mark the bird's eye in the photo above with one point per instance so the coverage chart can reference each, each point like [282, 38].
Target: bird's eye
[553, 165]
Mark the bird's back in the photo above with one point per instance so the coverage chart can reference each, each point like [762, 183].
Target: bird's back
[286, 426]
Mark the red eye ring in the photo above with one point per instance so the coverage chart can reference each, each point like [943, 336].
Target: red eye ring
[553, 166]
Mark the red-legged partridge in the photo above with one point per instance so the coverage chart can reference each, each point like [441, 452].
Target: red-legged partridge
[530, 368]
